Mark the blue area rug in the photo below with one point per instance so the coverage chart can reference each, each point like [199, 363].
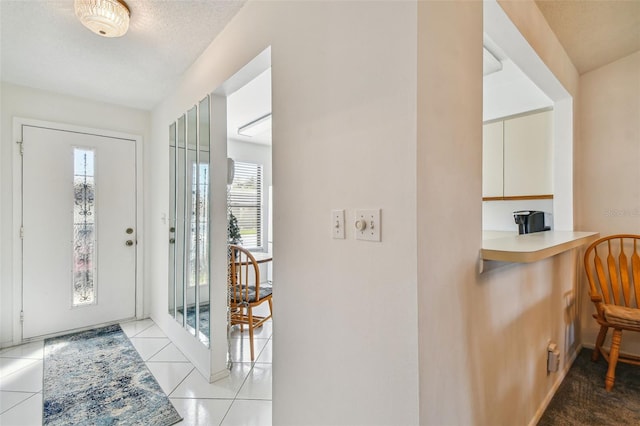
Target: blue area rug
[97, 377]
[204, 318]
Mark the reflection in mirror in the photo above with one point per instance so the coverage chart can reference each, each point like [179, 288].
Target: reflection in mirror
[172, 220]
[188, 233]
[203, 218]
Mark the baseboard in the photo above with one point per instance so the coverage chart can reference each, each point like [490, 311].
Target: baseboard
[545, 402]
[219, 375]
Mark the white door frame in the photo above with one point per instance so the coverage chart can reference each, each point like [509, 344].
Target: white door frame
[18, 122]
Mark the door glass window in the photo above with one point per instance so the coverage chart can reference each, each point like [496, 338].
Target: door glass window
[84, 231]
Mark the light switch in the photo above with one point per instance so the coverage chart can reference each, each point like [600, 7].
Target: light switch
[337, 224]
[367, 225]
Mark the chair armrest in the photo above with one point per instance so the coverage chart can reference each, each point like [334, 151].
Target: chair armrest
[597, 300]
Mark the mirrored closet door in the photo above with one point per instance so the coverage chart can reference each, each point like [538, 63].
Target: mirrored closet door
[189, 197]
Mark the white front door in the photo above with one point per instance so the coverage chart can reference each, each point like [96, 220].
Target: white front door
[79, 236]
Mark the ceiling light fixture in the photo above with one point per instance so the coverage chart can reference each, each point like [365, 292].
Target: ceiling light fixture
[108, 18]
[256, 127]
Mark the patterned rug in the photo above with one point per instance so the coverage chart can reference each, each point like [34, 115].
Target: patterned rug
[97, 377]
[204, 318]
[582, 400]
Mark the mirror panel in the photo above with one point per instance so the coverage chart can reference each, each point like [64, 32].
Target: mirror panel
[172, 220]
[189, 273]
[191, 289]
[204, 131]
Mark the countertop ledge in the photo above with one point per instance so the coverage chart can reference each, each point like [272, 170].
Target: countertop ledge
[527, 248]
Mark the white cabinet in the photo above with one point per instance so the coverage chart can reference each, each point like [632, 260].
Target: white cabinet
[517, 156]
[528, 155]
[492, 164]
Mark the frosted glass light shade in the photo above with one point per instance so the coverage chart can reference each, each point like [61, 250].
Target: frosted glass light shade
[108, 18]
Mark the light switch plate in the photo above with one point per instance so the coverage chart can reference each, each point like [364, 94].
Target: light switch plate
[367, 225]
[337, 224]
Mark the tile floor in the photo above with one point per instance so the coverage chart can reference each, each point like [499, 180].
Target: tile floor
[243, 398]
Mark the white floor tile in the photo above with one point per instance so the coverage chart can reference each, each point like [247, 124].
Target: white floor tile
[34, 350]
[148, 347]
[11, 365]
[263, 332]
[248, 413]
[11, 399]
[266, 356]
[197, 412]
[132, 328]
[169, 353]
[169, 374]
[241, 349]
[198, 401]
[27, 413]
[27, 379]
[153, 331]
[258, 383]
[196, 386]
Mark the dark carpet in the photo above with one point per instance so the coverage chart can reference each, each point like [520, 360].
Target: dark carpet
[582, 400]
[97, 377]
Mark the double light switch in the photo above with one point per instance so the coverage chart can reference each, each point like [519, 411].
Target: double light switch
[367, 224]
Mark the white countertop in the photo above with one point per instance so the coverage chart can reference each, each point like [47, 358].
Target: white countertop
[511, 247]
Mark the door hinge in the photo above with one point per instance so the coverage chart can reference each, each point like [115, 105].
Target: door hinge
[21, 147]
[22, 232]
[21, 316]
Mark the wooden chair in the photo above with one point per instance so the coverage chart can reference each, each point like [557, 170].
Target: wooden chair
[246, 291]
[613, 270]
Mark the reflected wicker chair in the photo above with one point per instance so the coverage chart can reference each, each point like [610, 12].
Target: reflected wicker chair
[246, 291]
[613, 270]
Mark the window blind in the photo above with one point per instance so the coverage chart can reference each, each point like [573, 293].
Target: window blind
[245, 202]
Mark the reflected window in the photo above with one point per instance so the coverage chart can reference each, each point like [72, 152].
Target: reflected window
[199, 226]
[245, 202]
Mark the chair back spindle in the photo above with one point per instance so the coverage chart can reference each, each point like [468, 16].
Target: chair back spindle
[614, 275]
[246, 293]
[635, 267]
[615, 292]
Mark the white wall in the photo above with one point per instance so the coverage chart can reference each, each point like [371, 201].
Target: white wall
[18, 101]
[362, 120]
[344, 93]
[482, 338]
[609, 154]
[498, 215]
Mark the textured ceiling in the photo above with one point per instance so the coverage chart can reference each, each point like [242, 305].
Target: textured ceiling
[44, 46]
[594, 32]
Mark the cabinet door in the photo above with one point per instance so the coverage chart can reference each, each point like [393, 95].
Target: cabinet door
[528, 155]
[492, 168]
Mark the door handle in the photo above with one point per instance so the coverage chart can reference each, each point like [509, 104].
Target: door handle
[129, 231]
[129, 243]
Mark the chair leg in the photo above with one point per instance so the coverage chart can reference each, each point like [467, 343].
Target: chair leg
[613, 359]
[250, 316]
[599, 341]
